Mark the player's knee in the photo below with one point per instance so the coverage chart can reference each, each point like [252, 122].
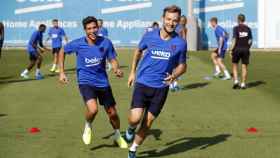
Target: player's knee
[112, 113]
[134, 120]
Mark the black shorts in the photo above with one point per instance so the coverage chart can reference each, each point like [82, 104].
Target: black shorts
[56, 50]
[152, 99]
[241, 54]
[104, 95]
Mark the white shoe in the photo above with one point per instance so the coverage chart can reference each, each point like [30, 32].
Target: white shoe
[25, 76]
[216, 74]
[226, 78]
[87, 135]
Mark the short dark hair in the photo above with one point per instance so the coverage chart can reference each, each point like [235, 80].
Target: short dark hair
[100, 20]
[55, 20]
[214, 19]
[88, 20]
[241, 17]
[155, 24]
[172, 9]
[42, 26]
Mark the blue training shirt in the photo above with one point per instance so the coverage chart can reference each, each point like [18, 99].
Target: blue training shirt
[91, 60]
[56, 34]
[102, 32]
[160, 58]
[36, 38]
[221, 33]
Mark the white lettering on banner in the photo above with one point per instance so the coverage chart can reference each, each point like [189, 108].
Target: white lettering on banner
[34, 24]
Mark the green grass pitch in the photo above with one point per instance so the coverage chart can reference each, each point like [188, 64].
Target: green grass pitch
[207, 119]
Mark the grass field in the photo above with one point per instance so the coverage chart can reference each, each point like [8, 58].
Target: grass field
[207, 119]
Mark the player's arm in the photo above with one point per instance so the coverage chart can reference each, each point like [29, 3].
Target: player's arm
[233, 42]
[136, 58]
[221, 42]
[116, 67]
[61, 58]
[179, 70]
[66, 38]
[250, 42]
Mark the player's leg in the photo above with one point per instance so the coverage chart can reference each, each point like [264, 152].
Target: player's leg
[221, 64]
[235, 61]
[32, 58]
[215, 62]
[106, 98]
[141, 134]
[91, 109]
[245, 63]
[136, 111]
[39, 61]
[134, 118]
[54, 67]
[1, 45]
[157, 100]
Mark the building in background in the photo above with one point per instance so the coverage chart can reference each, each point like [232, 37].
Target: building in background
[127, 19]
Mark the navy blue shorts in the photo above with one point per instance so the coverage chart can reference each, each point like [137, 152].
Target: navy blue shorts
[152, 99]
[56, 50]
[222, 54]
[33, 55]
[104, 95]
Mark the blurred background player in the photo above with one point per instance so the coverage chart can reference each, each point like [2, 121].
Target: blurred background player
[91, 54]
[154, 25]
[103, 31]
[34, 48]
[56, 34]
[240, 50]
[182, 31]
[219, 54]
[162, 63]
[2, 36]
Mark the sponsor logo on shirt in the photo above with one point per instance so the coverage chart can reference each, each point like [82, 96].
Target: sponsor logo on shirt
[243, 34]
[158, 54]
[92, 62]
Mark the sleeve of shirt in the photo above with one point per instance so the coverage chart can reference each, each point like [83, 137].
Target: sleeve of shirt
[143, 42]
[111, 52]
[183, 54]
[250, 34]
[234, 34]
[71, 47]
[220, 33]
[62, 32]
[41, 41]
[33, 38]
[49, 32]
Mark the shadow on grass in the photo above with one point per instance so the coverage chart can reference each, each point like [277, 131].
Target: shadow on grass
[184, 144]
[3, 115]
[103, 146]
[195, 85]
[156, 133]
[5, 81]
[255, 84]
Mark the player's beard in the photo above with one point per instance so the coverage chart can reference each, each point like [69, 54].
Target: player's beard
[168, 32]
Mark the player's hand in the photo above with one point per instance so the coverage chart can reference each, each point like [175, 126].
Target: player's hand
[169, 79]
[230, 53]
[119, 73]
[131, 79]
[63, 79]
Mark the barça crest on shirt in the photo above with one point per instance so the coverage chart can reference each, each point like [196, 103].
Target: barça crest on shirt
[173, 47]
[102, 50]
